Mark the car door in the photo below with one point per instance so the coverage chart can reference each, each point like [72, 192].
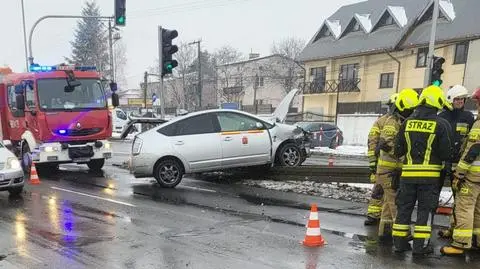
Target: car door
[245, 140]
[16, 118]
[120, 120]
[197, 141]
[31, 120]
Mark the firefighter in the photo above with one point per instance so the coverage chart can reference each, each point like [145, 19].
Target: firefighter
[375, 204]
[466, 183]
[424, 142]
[388, 166]
[461, 121]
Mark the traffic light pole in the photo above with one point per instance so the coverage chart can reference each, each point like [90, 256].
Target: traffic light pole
[160, 61]
[30, 58]
[431, 47]
[110, 48]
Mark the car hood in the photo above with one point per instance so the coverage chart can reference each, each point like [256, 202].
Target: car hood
[282, 109]
[5, 154]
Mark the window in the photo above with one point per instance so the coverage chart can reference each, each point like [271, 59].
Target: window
[324, 32]
[356, 27]
[461, 53]
[258, 82]
[12, 97]
[168, 130]
[422, 57]
[201, 124]
[121, 115]
[349, 72]
[30, 97]
[235, 122]
[386, 20]
[386, 80]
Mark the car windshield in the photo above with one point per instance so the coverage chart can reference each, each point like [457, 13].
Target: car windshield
[52, 96]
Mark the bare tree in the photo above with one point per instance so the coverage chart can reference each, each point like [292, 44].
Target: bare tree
[120, 61]
[227, 74]
[290, 48]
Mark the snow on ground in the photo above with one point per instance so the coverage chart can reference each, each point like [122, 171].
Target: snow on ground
[343, 150]
[354, 192]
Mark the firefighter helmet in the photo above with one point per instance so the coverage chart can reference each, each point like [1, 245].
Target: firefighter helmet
[407, 99]
[434, 97]
[457, 91]
[392, 99]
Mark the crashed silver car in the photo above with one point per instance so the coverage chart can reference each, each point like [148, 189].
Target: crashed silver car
[215, 140]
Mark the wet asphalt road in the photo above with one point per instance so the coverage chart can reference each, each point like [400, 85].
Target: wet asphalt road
[78, 219]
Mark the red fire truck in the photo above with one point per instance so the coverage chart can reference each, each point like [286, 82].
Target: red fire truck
[56, 114]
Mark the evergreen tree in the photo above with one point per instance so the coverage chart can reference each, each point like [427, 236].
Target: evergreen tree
[90, 46]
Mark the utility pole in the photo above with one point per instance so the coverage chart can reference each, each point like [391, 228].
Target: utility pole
[110, 48]
[160, 79]
[145, 87]
[431, 47]
[25, 38]
[200, 89]
[255, 86]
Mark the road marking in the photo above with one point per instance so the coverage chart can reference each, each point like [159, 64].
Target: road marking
[199, 189]
[94, 196]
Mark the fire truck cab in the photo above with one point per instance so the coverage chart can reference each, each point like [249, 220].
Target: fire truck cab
[57, 114]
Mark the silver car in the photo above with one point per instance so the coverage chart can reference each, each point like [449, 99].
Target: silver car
[11, 173]
[215, 140]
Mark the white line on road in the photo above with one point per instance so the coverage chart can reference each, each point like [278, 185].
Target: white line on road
[94, 196]
[198, 189]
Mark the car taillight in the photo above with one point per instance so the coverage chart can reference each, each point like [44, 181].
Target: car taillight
[136, 146]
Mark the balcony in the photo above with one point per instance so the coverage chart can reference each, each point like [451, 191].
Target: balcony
[330, 86]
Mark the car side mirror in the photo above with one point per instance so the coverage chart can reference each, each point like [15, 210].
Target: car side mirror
[259, 125]
[115, 100]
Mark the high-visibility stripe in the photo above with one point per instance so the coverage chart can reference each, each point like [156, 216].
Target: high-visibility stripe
[401, 227]
[374, 209]
[463, 233]
[462, 129]
[255, 132]
[428, 167]
[423, 228]
[313, 231]
[428, 151]
[420, 174]
[371, 153]
[389, 164]
[463, 165]
[313, 215]
[409, 148]
[476, 231]
[399, 233]
[421, 235]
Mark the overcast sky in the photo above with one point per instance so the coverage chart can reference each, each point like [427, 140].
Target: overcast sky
[249, 25]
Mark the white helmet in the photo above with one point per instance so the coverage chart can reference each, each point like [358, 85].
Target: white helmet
[457, 91]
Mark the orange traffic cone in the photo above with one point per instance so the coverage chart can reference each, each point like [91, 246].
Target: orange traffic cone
[313, 237]
[330, 160]
[34, 180]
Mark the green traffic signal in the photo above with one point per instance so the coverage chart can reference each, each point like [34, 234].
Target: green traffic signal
[169, 67]
[121, 20]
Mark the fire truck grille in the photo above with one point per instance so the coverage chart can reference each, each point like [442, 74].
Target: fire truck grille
[83, 132]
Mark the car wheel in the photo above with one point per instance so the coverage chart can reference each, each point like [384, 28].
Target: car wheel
[15, 191]
[289, 155]
[168, 173]
[26, 159]
[96, 164]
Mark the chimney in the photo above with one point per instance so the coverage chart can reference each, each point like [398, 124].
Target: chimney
[253, 55]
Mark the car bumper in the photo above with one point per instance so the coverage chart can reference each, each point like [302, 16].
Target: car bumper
[10, 178]
[141, 165]
[57, 154]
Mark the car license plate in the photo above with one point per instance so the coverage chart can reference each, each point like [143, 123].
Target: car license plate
[81, 160]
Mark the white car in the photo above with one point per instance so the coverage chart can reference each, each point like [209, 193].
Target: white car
[215, 140]
[11, 173]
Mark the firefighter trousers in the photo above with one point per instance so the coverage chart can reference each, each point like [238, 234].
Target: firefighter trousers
[375, 204]
[408, 194]
[389, 209]
[467, 215]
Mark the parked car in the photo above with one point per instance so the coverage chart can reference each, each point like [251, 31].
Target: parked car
[11, 173]
[323, 134]
[215, 140]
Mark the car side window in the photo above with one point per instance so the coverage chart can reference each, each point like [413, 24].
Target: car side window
[168, 130]
[121, 115]
[201, 124]
[12, 101]
[30, 97]
[235, 122]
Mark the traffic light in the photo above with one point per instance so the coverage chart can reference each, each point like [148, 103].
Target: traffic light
[437, 71]
[168, 63]
[120, 9]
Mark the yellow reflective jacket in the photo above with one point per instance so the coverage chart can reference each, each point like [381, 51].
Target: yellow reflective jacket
[387, 160]
[374, 138]
[469, 164]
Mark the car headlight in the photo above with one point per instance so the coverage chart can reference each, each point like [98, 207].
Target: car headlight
[137, 146]
[13, 163]
[49, 149]
[107, 145]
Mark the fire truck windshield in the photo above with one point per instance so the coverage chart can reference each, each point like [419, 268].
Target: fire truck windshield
[52, 96]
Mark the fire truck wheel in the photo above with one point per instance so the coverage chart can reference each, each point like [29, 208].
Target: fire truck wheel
[96, 164]
[26, 159]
